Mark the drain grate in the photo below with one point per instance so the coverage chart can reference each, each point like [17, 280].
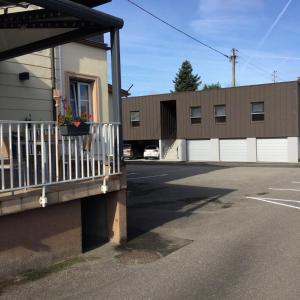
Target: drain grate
[138, 257]
[148, 247]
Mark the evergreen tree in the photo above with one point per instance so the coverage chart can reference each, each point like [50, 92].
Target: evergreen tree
[212, 86]
[185, 80]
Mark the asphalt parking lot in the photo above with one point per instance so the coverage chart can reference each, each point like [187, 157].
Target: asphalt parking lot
[196, 231]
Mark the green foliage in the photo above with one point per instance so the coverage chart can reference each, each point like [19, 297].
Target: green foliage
[185, 80]
[212, 86]
[69, 119]
[69, 114]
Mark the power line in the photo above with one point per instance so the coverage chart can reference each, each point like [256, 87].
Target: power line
[258, 68]
[263, 72]
[179, 30]
[232, 58]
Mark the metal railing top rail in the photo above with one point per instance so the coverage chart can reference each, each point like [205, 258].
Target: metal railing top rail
[53, 122]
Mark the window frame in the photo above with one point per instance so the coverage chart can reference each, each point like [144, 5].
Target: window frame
[194, 120]
[257, 114]
[95, 99]
[219, 118]
[137, 122]
[76, 85]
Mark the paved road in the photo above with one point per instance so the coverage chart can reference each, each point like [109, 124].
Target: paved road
[222, 232]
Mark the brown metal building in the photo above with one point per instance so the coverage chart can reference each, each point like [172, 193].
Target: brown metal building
[192, 116]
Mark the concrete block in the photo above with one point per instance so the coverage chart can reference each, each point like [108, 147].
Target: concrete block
[251, 150]
[161, 153]
[74, 193]
[30, 202]
[293, 149]
[52, 197]
[182, 154]
[215, 149]
[11, 206]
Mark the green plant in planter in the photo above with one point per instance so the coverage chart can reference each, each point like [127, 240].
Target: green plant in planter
[72, 126]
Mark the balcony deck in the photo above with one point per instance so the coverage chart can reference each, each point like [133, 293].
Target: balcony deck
[40, 166]
[22, 200]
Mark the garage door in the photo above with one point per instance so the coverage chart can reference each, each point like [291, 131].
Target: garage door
[199, 150]
[272, 150]
[233, 150]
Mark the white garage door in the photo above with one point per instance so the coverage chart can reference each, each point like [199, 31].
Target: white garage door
[272, 150]
[199, 150]
[233, 150]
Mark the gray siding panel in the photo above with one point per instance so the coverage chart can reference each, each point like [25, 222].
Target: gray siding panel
[18, 98]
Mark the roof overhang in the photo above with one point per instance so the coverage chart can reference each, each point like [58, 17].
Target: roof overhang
[49, 23]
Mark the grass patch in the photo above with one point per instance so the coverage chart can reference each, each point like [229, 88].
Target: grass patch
[38, 274]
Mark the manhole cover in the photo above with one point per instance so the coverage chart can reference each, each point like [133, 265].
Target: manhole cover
[137, 257]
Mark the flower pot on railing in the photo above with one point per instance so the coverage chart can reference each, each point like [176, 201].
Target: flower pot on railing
[71, 125]
[72, 130]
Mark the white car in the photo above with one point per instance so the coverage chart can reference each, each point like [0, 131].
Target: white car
[151, 152]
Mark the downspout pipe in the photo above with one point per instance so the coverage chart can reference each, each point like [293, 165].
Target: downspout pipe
[53, 80]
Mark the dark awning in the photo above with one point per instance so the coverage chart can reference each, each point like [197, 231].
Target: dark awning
[89, 3]
[53, 23]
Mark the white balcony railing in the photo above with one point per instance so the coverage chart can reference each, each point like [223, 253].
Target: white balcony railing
[35, 154]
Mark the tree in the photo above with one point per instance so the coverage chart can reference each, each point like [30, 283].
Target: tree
[212, 86]
[185, 80]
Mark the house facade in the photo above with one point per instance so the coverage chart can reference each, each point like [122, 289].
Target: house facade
[60, 194]
[258, 123]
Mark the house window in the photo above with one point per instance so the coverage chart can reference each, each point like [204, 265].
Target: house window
[257, 111]
[80, 97]
[220, 114]
[135, 118]
[195, 115]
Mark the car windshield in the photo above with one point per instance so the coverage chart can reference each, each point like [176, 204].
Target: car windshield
[127, 146]
[151, 148]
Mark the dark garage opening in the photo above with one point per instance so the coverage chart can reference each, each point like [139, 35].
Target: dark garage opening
[139, 146]
[94, 223]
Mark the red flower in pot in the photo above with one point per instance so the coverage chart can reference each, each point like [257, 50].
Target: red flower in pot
[77, 123]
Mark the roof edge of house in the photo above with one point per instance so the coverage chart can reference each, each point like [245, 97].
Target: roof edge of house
[213, 90]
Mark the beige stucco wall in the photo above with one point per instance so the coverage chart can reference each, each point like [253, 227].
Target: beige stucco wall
[92, 61]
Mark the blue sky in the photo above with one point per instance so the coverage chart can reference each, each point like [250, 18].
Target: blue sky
[266, 33]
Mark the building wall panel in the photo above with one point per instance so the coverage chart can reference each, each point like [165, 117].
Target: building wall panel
[281, 113]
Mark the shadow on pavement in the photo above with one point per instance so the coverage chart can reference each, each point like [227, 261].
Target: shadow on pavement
[153, 202]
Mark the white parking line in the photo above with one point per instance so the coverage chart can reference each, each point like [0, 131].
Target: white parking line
[277, 189]
[153, 176]
[282, 200]
[295, 181]
[273, 202]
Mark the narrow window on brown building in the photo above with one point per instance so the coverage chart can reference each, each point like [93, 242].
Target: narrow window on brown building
[135, 118]
[257, 111]
[220, 114]
[195, 114]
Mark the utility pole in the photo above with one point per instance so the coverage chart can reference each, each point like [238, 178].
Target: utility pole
[274, 76]
[233, 58]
